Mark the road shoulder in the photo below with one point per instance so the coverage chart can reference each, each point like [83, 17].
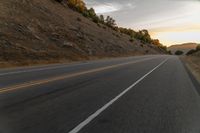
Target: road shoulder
[192, 66]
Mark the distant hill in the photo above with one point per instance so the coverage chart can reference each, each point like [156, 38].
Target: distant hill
[183, 47]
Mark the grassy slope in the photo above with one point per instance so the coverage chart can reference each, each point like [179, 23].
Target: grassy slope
[44, 31]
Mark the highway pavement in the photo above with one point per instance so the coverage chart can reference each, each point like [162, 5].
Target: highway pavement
[143, 94]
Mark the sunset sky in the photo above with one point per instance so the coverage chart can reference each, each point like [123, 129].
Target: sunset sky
[171, 21]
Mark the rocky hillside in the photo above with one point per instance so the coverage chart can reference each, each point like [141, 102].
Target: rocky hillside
[45, 31]
[183, 47]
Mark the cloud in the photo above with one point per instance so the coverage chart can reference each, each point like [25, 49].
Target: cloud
[158, 16]
[104, 7]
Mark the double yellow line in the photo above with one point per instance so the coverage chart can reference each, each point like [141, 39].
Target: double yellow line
[45, 81]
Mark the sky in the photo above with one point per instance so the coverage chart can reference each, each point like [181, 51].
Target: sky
[170, 21]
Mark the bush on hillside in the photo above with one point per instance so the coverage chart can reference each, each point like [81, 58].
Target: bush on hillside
[102, 19]
[179, 52]
[144, 36]
[77, 5]
[110, 22]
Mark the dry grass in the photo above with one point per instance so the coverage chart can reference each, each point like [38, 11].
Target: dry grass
[193, 64]
[44, 32]
[26, 63]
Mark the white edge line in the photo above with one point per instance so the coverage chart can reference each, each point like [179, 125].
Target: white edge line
[94, 115]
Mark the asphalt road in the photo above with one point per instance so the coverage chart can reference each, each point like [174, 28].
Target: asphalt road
[144, 94]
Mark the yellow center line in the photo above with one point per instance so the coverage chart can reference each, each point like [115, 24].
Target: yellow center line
[44, 81]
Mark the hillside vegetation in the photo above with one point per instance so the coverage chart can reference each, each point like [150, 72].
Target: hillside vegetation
[47, 31]
[142, 35]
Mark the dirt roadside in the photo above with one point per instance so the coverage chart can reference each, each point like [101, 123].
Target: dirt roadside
[193, 64]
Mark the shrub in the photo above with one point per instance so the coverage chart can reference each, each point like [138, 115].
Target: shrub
[179, 52]
[162, 47]
[110, 21]
[95, 19]
[101, 19]
[78, 5]
[91, 13]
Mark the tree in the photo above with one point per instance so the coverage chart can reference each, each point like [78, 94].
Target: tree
[92, 13]
[101, 18]
[179, 52]
[78, 5]
[146, 36]
[81, 6]
[156, 42]
[110, 21]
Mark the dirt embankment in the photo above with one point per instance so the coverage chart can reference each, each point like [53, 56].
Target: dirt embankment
[44, 31]
[193, 64]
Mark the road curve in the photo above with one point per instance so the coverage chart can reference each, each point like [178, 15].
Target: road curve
[144, 94]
